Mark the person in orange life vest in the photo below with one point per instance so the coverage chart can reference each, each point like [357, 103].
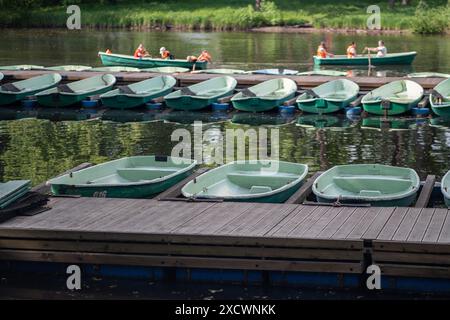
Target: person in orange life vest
[165, 54]
[322, 51]
[141, 52]
[351, 50]
[204, 56]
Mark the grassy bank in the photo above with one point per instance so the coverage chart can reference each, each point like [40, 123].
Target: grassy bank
[236, 14]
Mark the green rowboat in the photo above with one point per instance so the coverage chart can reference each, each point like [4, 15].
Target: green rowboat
[201, 95]
[390, 58]
[166, 70]
[428, 75]
[131, 177]
[440, 99]
[396, 97]
[74, 92]
[110, 59]
[16, 91]
[139, 93]
[329, 97]
[222, 71]
[22, 67]
[375, 184]
[69, 68]
[258, 181]
[445, 188]
[115, 69]
[265, 96]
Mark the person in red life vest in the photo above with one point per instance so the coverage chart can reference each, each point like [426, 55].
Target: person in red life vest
[322, 51]
[165, 54]
[351, 50]
[204, 56]
[141, 52]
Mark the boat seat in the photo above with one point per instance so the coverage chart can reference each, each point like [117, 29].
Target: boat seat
[372, 183]
[65, 88]
[10, 87]
[137, 174]
[251, 179]
[260, 189]
[370, 193]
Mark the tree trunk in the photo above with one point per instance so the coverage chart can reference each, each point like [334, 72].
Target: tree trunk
[258, 5]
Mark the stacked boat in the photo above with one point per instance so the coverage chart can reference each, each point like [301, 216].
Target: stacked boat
[13, 190]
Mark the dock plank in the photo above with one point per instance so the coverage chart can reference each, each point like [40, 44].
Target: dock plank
[364, 224]
[289, 223]
[421, 225]
[336, 223]
[301, 228]
[444, 237]
[434, 228]
[407, 224]
[323, 222]
[392, 224]
[349, 224]
[378, 223]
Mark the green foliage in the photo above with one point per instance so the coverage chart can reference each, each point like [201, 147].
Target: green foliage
[430, 20]
[423, 17]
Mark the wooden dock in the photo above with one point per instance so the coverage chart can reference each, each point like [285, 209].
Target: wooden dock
[404, 242]
[243, 80]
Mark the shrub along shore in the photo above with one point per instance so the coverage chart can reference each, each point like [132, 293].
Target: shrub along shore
[430, 16]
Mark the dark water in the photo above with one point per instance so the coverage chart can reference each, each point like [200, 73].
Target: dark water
[241, 50]
[37, 148]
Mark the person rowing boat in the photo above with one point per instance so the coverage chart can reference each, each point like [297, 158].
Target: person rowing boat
[381, 50]
[204, 56]
[165, 54]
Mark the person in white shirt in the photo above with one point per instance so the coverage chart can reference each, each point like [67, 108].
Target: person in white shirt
[381, 50]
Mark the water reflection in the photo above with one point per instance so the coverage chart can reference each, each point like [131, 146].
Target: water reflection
[322, 121]
[389, 123]
[189, 117]
[263, 119]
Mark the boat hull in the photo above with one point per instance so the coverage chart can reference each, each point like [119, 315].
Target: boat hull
[394, 108]
[402, 202]
[255, 104]
[130, 61]
[6, 99]
[64, 100]
[189, 103]
[323, 106]
[136, 191]
[407, 58]
[128, 102]
[443, 111]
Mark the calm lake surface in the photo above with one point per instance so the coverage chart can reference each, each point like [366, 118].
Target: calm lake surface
[242, 50]
[38, 144]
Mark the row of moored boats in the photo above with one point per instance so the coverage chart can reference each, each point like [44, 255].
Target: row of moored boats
[394, 98]
[251, 181]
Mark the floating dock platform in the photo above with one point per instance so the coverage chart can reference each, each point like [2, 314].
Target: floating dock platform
[243, 80]
[252, 243]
